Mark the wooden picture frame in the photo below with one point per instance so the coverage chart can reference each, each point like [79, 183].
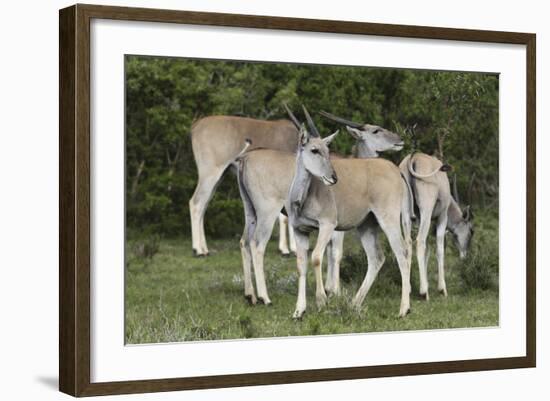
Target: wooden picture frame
[74, 204]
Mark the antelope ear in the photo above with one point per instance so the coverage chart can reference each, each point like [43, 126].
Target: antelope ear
[466, 213]
[353, 132]
[304, 135]
[329, 138]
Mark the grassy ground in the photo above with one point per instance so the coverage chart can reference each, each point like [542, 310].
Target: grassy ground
[172, 296]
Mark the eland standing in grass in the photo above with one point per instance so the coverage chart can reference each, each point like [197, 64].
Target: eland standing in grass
[216, 142]
[371, 140]
[316, 199]
[432, 193]
[270, 191]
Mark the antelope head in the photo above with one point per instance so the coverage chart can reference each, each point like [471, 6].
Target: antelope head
[463, 229]
[314, 151]
[315, 156]
[373, 137]
[463, 232]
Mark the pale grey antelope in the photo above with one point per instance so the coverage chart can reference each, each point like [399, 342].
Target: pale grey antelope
[365, 188]
[217, 141]
[428, 179]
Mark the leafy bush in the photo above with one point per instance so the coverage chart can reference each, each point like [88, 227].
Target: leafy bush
[480, 269]
[477, 271]
[225, 218]
[147, 247]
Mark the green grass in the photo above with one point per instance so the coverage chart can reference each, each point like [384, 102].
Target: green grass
[172, 296]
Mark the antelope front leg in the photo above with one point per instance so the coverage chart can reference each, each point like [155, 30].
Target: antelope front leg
[440, 239]
[302, 245]
[330, 265]
[291, 239]
[334, 257]
[283, 238]
[325, 233]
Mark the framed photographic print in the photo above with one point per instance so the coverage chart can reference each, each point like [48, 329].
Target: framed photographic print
[250, 200]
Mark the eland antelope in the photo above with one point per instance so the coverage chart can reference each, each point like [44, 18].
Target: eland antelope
[430, 184]
[371, 141]
[216, 142]
[305, 184]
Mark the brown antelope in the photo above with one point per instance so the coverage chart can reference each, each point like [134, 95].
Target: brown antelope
[366, 187]
[216, 141]
[432, 194]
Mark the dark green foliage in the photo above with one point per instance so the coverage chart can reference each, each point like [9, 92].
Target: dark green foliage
[455, 116]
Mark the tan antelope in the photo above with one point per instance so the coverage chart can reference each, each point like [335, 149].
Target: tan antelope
[428, 179]
[367, 190]
[217, 141]
[370, 140]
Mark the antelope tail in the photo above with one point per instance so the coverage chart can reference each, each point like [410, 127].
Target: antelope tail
[249, 209]
[247, 143]
[443, 167]
[407, 214]
[410, 197]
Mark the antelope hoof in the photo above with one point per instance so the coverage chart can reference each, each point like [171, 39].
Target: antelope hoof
[298, 314]
[321, 299]
[265, 301]
[199, 255]
[443, 291]
[402, 314]
[285, 254]
[425, 297]
[356, 306]
[251, 299]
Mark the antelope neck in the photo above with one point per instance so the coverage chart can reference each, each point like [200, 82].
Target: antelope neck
[300, 187]
[364, 151]
[454, 214]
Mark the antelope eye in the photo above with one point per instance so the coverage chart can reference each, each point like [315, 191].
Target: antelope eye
[376, 131]
[315, 151]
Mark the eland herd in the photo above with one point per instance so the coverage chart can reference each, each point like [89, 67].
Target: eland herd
[286, 172]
